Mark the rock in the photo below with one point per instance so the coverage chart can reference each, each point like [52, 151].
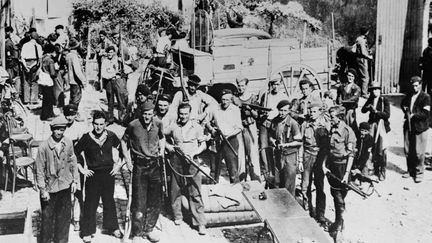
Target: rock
[406, 188]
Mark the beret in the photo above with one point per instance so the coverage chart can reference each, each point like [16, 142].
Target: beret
[165, 97]
[282, 103]
[69, 110]
[352, 71]
[146, 106]
[59, 122]
[226, 91]
[364, 126]
[193, 78]
[142, 89]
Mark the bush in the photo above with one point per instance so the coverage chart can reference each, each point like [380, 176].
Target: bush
[139, 22]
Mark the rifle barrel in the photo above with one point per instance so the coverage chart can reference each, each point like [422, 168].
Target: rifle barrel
[180, 153]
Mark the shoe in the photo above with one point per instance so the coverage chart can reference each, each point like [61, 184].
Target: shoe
[406, 175]
[117, 234]
[76, 225]
[153, 236]
[202, 230]
[87, 239]
[418, 179]
[178, 222]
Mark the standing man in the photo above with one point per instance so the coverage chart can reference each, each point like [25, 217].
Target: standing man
[269, 99]
[48, 67]
[285, 137]
[57, 177]
[339, 162]
[161, 111]
[77, 79]
[103, 43]
[188, 136]
[250, 132]
[142, 94]
[315, 131]
[200, 102]
[416, 107]
[227, 122]
[309, 96]
[100, 172]
[426, 67]
[12, 58]
[146, 140]
[31, 58]
[348, 95]
[62, 37]
[379, 113]
[113, 84]
[363, 58]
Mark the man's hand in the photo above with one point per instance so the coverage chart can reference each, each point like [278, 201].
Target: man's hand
[74, 187]
[325, 170]
[129, 165]
[87, 173]
[45, 196]
[169, 148]
[300, 166]
[345, 178]
[116, 169]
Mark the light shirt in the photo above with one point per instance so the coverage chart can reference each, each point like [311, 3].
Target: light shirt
[228, 120]
[62, 40]
[28, 50]
[272, 102]
[413, 100]
[109, 67]
[162, 44]
[375, 103]
[196, 101]
[187, 137]
[76, 130]
[181, 44]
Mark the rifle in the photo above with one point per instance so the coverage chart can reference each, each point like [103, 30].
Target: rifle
[190, 161]
[225, 140]
[164, 176]
[128, 224]
[408, 114]
[184, 92]
[348, 186]
[255, 107]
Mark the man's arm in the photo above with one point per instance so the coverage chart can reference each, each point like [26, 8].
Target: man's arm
[78, 70]
[385, 113]
[76, 183]
[40, 170]
[350, 141]
[424, 110]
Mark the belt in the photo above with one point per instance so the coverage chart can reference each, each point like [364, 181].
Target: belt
[338, 159]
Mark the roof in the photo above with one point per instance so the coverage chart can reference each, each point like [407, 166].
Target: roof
[240, 33]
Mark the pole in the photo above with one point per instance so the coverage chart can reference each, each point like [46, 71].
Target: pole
[303, 41]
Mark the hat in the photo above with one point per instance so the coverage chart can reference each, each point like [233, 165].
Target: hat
[241, 78]
[415, 79]
[165, 97]
[275, 78]
[352, 71]
[103, 32]
[194, 79]
[226, 91]
[146, 106]
[338, 109]
[282, 103]
[34, 35]
[374, 85]
[143, 89]
[59, 122]
[70, 110]
[315, 104]
[73, 43]
[364, 126]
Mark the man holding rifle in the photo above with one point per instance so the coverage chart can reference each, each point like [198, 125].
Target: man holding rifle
[145, 138]
[186, 135]
[338, 163]
[416, 107]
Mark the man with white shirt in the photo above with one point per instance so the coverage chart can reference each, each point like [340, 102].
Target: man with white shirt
[416, 107]
[62, 37]
[31, 57]
[227, 123]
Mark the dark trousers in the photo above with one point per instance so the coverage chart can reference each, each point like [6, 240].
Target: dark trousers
[265, 154]
[56, 214]
[15, 74]
[287, 168]
[337, 190]
[116, 88]
[146, 198]
[31, 89]
[415, 147]
[101, 184]
[230, 158]
[363, 75]
[47, 102]
[75, 94]
[190, 188]
[59, 89]
[312, 170]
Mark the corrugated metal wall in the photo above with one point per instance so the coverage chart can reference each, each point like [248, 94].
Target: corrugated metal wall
[414, 40]
[390, 40]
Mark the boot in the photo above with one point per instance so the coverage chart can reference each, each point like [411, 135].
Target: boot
[382, 174]
[338, 225]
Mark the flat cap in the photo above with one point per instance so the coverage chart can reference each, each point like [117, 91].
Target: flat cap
[59, 122]
[142, 89]
[226, 91]
[352, 71]
[70, 110]
[194, 79]
[364, 126]
[374, 85]
[316, 104]
[146, 106]
[282, 103]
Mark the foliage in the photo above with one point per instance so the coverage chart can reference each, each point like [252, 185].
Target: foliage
[138, 22]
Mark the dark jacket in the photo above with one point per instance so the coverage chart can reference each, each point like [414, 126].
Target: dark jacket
[420, 120]
[382, 111]
[348, 100]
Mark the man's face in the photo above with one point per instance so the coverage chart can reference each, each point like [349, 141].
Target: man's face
[306, 89]
[163, 106]
[184, 115]
[59, 31]
[58, 132]
[315, 112]
[376, 92]
[116, 38]
[274, 87]
[416, 87]
[102, 37]
[334, 119]
[226, 100]
[241, 87]
[71, 118]
[350, 77]
[147, 116]
[111, 54]
[192, 88]
[99, 125]
[141, 98]
[363, 132]
[284, 111]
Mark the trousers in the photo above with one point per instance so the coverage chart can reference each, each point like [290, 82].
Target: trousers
[415, 148]
[230, 158]
[250, 138]
[116, 88]
[47, 102]
[312, 171]
[146, 198]
[100, 185]
[56, 214]
[75, 94]
[287, 165]
[189, 187]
